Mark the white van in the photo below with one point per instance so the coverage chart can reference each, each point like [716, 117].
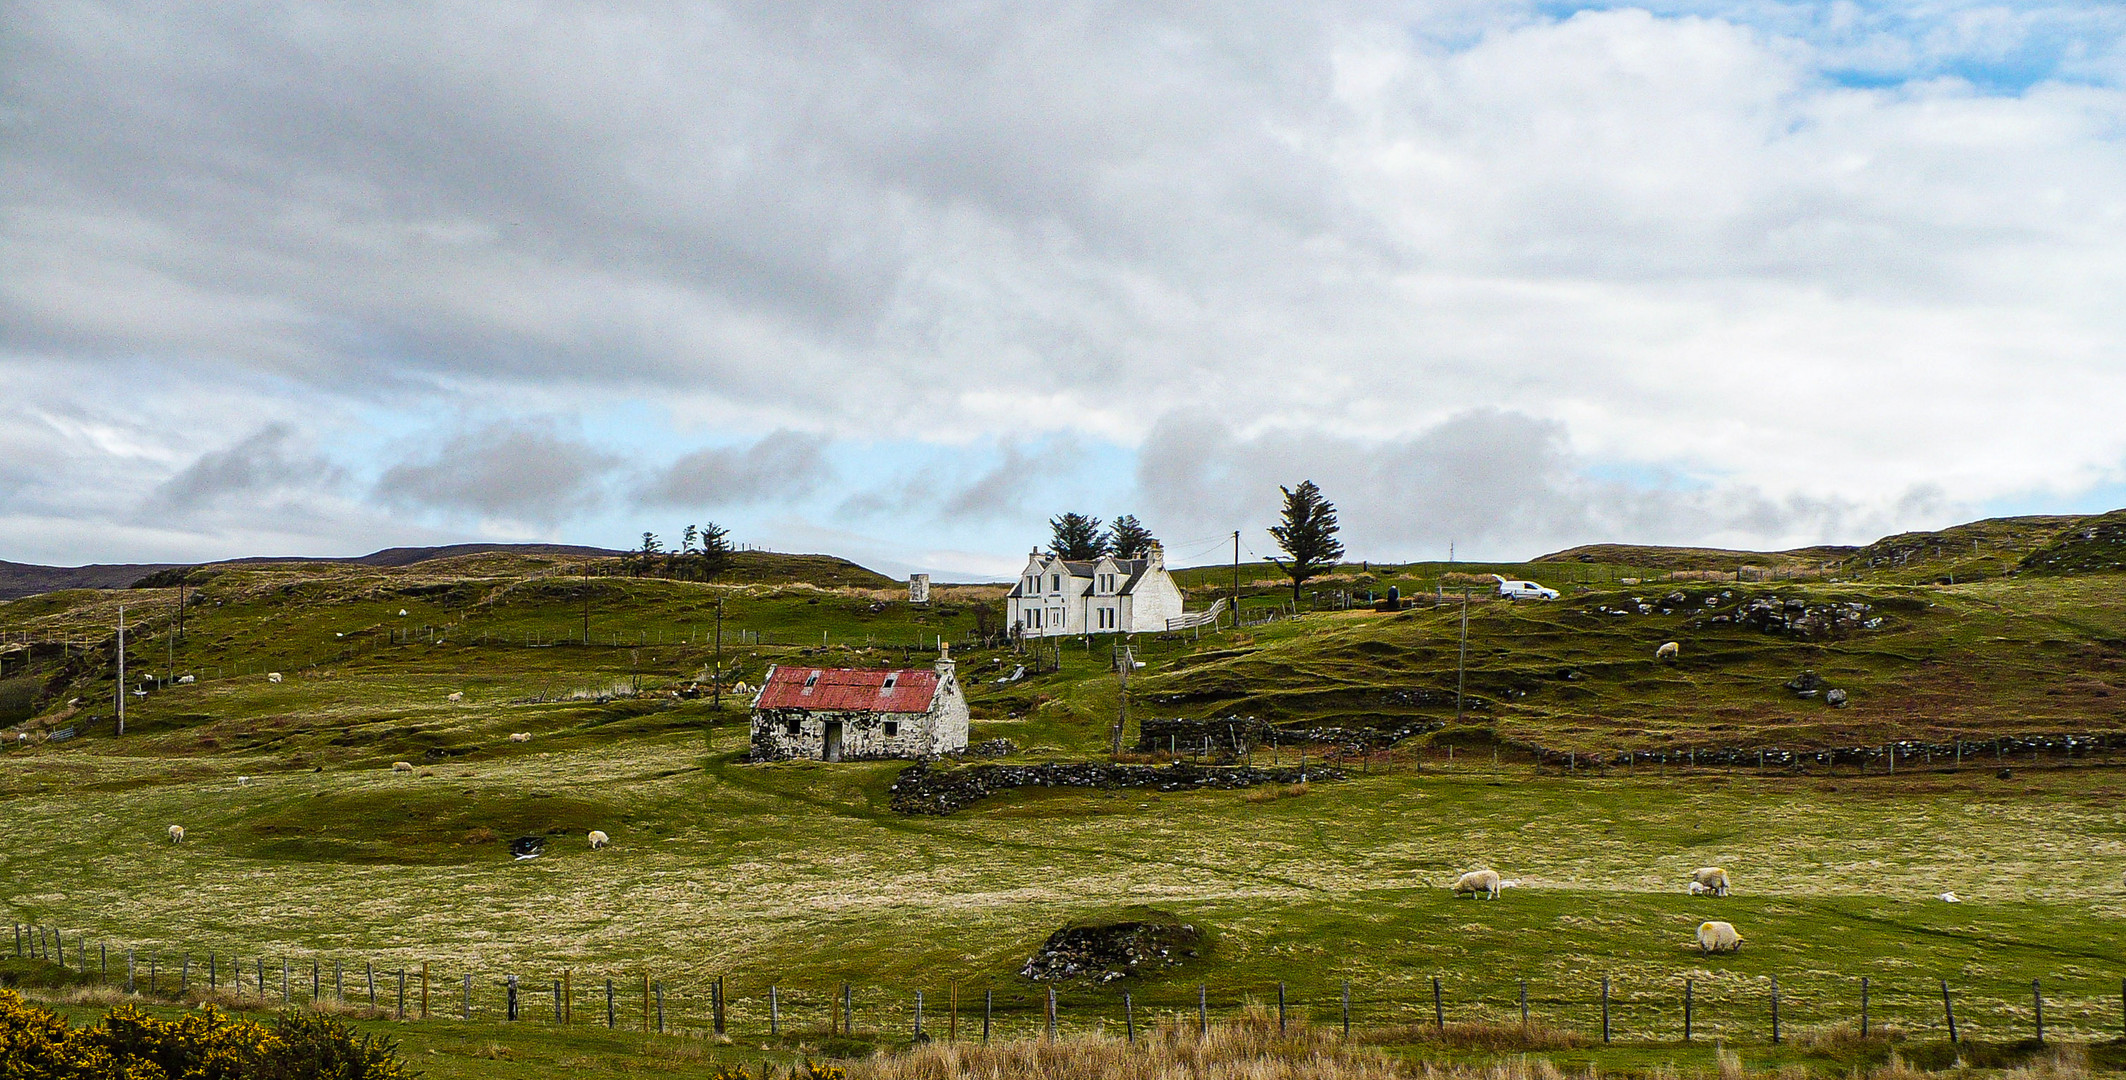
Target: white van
[1524, 590]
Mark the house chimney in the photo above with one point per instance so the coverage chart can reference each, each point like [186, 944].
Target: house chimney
[946, 665]
[1155, 556]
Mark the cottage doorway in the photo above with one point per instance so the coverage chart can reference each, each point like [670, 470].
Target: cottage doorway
[833, 749]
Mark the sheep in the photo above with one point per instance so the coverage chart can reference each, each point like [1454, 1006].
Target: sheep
[1710, 879]
[177, 834]
[273, 676]
[1478, 881]
[520, 736]
[243, 781]
[1698, 890]
[1668, 652]
[1950, 898]
[186, 680]
[599, 839]
[401, 766]
[458, 695]
[1718, 937]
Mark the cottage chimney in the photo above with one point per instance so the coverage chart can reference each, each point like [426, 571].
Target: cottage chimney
[1155, 556]
[946, 665]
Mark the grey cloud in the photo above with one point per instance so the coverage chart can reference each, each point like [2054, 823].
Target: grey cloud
[1494, 483]
[784, 464]
[265, 462]
[521, 471]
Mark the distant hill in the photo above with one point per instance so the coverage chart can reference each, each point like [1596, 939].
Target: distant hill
[1655, 557]
[18, 580]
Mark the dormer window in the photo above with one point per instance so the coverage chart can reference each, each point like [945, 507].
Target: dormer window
[811, 681]
[891, 678]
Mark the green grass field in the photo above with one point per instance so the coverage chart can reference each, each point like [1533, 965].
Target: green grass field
[799, 875]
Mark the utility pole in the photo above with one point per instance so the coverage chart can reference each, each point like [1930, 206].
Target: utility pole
[121, 669]
[717, 693]
[586, 619]
[1461, 665]
[1125, 659]
[1236, 579]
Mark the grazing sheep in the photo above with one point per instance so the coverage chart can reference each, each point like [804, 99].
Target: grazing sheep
[1951, 898]
[1718, 937]
[402, 766]
[1698, 890]
[1478, 881]
[458, 695]
[599, 839]
[243, 781]
[1668, 652]
[1710, 879]
[520, 736]
[186, 680]
[177, 834]
[273, 676]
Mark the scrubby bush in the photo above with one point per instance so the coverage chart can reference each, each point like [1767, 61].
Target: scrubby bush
[129, 1044]
[18, 699]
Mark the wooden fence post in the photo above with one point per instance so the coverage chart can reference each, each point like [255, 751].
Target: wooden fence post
[1863, 1006]
[316, 980]
[1947, 1010]
[719, 1004]
[1129, 1018]
[286, 993]
[952, 1019]
[1605, 1008]
[424, 989]
[1439, 1008]
[339, 985]
[660, 1009]
[1775, 1010]
[1347, 1010]
[1524, 1006]
[2037, 1008]
[568, 996]
[509, 1007]
[989, 1000]
[645, 1002]
[1203, 1011]
[1280, 1010]
[610, 1019]
[918, 1016]
[402, 994]
[774, 1013]
[369, 976]
[1051, 1014]
[213, 973]
[557, 1002]
[1687, 988]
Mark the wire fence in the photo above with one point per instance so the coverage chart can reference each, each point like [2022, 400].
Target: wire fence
[1702, 1005]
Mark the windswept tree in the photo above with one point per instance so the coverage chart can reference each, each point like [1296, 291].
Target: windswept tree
[1128, 537]
[1308, 535]
[1076, 537]
[647, 555]
[714, 554]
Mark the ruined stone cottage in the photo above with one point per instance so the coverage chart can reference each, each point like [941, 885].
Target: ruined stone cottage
[854, 714]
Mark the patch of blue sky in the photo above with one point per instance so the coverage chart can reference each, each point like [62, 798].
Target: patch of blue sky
[2095, 500]
[1644, 476]
[2000, 47]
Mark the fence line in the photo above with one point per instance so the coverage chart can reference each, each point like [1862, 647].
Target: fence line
[1690, 1006]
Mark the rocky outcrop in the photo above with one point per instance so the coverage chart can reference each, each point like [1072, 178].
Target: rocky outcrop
[1103, 953]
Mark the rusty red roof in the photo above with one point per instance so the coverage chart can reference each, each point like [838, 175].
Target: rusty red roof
[849, 689]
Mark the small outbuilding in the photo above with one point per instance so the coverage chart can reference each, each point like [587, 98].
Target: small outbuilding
[854, 714]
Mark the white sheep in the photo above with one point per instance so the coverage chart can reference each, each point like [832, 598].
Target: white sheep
[1709, 879]
[520, 736]
[457, 695]
[273, 676]
[1951, 898]
[1668, 652]
[1718, 937]
[1478, 881]
[186, 680]
[177, 834]
[1698, 890]
[402, 766]
[243, 781]
[599, 839]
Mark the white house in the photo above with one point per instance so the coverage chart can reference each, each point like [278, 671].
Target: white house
[1064, 597]
[850, 714]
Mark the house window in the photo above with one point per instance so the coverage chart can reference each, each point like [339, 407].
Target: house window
[890, 680]
[1055, 583]
[893, 727]
[790, 726]
[810, 681]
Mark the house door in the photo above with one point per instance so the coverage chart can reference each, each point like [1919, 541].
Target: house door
[833, 749]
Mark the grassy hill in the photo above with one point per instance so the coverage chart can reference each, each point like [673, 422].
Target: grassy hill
[801, 876]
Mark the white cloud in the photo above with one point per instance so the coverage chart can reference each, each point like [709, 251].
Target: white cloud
[1817, 257]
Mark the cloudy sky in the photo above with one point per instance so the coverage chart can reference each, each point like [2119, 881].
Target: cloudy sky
[900, 282]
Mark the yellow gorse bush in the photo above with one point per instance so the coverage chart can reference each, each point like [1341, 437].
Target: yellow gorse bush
[129, 1044]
